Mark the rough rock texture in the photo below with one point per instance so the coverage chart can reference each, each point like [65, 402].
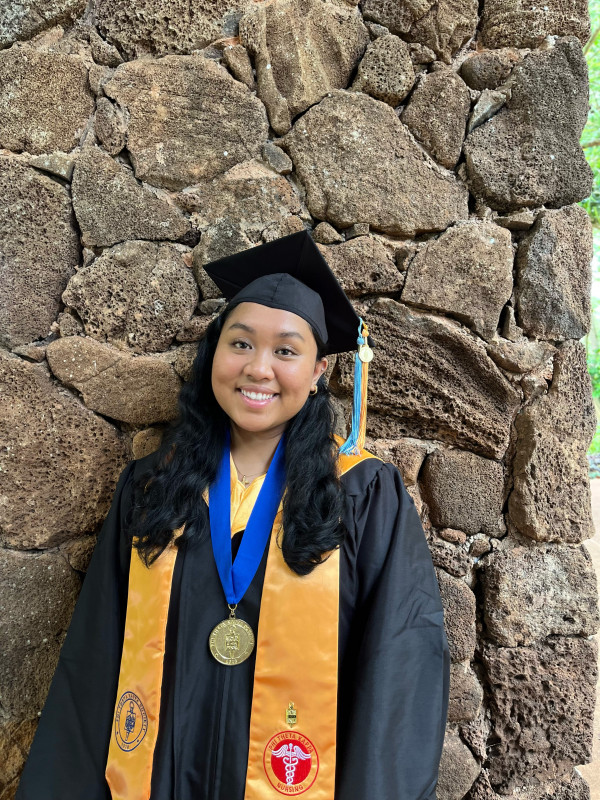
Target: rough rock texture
[407, 454]
[435, 382]
[136, 389]
[458, 769]
[250, 196]
[526, 23]
[44, 100]
[136, 294]
[570, 787]
[59, 462]
[34, 209]
[490, 68]
[15, 741]
[110, 126]
[529, 154]
[463, 491]
[459, 616]
[448, 556]
[37, 595]
[551, 496]
[237, 60]
[151, 27]
[542, 702]
[436, 115]
[532, 592]
[188, 119]
[443, 26]
[554, 275]
[467, 272]
[302, 49]
[25, 19]
[386, 70]
[348, 260]
[466, 694]
[111, 206]
[359, 164]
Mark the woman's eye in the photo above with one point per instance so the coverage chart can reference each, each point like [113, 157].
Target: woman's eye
[240, 345]
[286, 351]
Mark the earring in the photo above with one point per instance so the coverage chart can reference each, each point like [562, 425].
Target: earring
[313, 390]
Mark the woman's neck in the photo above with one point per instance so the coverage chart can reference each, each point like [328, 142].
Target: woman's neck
[252, 452]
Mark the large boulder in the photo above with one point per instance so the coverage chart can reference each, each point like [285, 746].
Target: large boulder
[359, 163]
[202, 120]
[149, 27]
[39, 251]
[528, 154]
[551, 499]
[542, 709]
[526, 23]
[464, 491]
[45, 100]
[554, 275]
[444, 26]
[432, 380]
[250, 196]
[24, 20]
[135, 295]
[111, 206]
[140, 390]
[302, 49]
[59, 461]
[467, 272]
[532, 592]
[37, 596]
[436, 115]
[386, 70]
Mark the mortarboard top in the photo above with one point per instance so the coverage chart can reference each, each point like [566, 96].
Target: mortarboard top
[290, 273]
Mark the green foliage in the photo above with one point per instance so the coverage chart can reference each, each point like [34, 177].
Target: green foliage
[590, 141]
[590, 137]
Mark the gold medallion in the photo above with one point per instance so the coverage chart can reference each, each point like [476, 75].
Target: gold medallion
[232, 640]
[365, 353]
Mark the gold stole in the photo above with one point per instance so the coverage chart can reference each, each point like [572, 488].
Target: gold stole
[294, 701]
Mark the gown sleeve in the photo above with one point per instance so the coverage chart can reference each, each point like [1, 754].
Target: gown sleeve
[395, 675]
[68, 755]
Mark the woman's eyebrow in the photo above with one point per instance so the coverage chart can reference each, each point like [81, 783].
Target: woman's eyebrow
[283, 335]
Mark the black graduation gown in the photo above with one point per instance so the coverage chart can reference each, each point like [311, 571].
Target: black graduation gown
[394, 662]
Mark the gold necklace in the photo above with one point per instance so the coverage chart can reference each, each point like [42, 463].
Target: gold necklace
[245, 479]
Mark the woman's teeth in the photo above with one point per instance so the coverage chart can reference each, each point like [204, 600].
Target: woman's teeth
[256, 395]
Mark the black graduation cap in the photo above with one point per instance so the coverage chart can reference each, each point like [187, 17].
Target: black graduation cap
[290, 273]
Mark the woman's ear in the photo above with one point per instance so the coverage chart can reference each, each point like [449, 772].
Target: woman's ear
[320, 368]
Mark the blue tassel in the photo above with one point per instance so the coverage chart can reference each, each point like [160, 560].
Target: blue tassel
[351, 446]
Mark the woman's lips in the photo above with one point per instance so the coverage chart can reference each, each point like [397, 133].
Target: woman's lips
[257, 402]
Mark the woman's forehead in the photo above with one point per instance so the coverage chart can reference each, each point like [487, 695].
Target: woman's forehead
[266, 320]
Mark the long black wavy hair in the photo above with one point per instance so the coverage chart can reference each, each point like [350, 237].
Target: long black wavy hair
[169, 494]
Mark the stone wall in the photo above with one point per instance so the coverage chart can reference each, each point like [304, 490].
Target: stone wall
[432, 148]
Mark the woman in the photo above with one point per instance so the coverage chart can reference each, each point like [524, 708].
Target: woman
[316, 663]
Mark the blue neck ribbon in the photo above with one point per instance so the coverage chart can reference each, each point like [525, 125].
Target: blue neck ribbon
[237, 576]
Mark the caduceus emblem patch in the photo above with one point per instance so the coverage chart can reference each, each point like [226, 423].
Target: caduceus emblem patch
[291, 762]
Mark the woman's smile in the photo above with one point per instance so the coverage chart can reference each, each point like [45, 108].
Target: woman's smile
[257, 398]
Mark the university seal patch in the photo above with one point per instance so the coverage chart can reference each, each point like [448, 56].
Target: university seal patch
[131, 721]
[291, 762]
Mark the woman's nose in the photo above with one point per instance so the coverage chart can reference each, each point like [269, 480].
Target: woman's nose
[259, 365]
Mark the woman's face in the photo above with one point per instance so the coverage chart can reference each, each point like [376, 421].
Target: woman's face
[264, 366]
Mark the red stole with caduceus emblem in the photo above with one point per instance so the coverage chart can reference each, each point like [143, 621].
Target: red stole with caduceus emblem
[293, 722]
